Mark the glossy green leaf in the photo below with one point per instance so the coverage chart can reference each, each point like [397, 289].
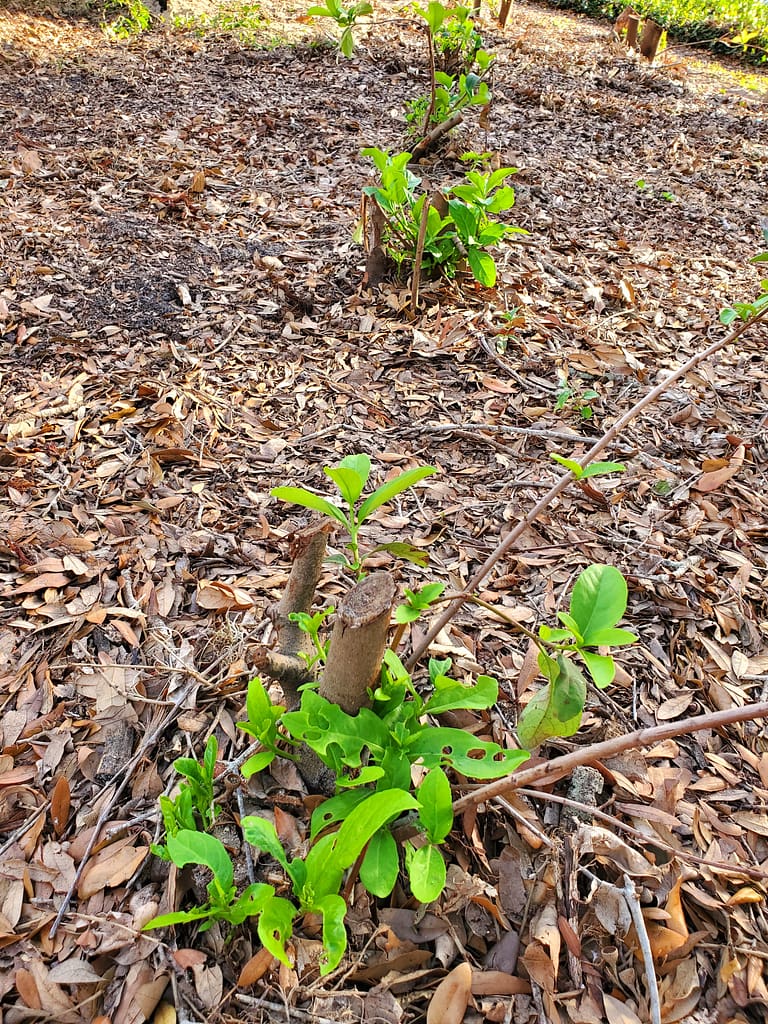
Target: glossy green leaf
[435, 805]
[188, 847]
[465, 219]
[298, 496]
[482, 266]
[451, 695]
[602, 468]
[381, 864]
[178, 917]
[599, 599]
[257, 763]
[347, 43]
[601, 667]
[611, 637]
[570, 464]
[366, 819]
[335, 809]
[275, 927]
[250, 903]
[477, 759]
[392, 488]
[262, 834]
[333, 910]
[571, 624]
[319, 874]
[426, 873]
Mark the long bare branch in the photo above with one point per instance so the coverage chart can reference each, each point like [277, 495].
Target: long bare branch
[565, 481]
[550, 771]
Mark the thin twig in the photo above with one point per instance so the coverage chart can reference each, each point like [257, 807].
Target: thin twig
[551, 771]
[565, 481]
[759, 874]
[633, 905]
[146, 744]
[22, 829]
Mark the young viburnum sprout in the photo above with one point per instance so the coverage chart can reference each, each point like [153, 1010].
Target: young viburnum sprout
[350, 477]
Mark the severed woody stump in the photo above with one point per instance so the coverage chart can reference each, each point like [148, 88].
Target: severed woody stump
[358, 642]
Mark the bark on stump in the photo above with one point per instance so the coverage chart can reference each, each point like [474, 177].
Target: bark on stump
[358, 642]
[633, 24]
[650, 39]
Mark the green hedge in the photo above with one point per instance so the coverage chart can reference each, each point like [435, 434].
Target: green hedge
[697, 21]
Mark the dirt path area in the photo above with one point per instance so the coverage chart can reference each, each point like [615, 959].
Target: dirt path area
[183, 326]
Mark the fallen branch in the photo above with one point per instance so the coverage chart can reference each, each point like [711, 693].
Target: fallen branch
[759, 874]
[424, 145]
[565, 481]
[551, 771]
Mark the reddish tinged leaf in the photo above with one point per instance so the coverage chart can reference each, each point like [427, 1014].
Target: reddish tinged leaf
[60, 801]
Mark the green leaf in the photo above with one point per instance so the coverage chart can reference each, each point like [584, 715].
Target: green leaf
[569, 690]
[348, 482]
[760, 258]
[435, 805]
[209, 758]
[381, 864]
[335, 809]
[451, 695]
[426, 873]
[298, 496]
[350, 476]
[572, 625]
[370, 773]
[434, 15]
[257, 763]
[337, 738]
[601, 468]
[497, 177]
[319, 874]
[347, 43]
[188, 847]
[392, 488]
[408, 553]
[554, 636]
[275, 927]
[465, 219]
[599, 599]
[556, 710]
[482, 266]
[571, 464]
[610, 638]
[262, 834]
[728, 315]
[601, 667]
[477, 759]
[250, 903]
[179, 917]
[333, 910]
[366, 819]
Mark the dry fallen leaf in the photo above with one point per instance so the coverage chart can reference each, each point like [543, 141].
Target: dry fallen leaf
[218, 596]
[108, 869]
[451, 997]
[716, 478]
